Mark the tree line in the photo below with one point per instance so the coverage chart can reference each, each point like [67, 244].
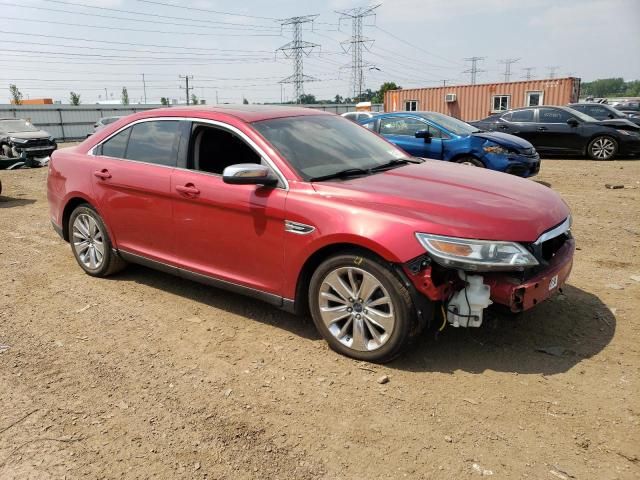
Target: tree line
[610, 87]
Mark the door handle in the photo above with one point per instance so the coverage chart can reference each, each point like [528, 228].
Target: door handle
[103, 174]
[189, 189]
[542, 129]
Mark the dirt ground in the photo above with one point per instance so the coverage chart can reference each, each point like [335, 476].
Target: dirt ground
[146, 376]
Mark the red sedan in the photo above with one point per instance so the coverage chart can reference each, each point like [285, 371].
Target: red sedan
[313, 213]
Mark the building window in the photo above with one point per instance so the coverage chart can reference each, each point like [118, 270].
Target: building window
[501, 103]
[533, 99]
[411, 105]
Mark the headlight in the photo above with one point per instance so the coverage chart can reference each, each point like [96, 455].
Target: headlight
[496, 149]
[629, 132]
[18, 140]
[477, 255]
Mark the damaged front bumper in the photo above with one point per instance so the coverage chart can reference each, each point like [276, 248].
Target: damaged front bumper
[520, 295]
[518, 292]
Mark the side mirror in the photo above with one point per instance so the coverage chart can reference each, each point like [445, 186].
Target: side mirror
[249, 174]
[424, 134]
[572, 122]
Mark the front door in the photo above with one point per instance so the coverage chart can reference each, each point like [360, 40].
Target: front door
[131, 182]
[554, 134]
[234, 233]
[401, 131]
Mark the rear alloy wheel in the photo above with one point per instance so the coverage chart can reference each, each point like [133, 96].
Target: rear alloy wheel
[360, 307]
[470, 161]
[91, 244]
[602, 148]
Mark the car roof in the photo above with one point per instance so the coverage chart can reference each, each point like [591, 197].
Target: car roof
[590, 104]
[245, 113]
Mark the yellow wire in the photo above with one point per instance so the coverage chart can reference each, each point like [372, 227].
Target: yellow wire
[444, 318]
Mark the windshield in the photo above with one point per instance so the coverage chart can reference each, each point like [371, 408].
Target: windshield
[18, 125]
[453, 125]
[322, 145]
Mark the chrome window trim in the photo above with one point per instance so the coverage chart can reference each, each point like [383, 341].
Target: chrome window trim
[240, 133]
[555, 232]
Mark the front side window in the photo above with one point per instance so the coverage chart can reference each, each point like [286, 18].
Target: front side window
[501, 103]
[154, 142]
[411, 105]
[214, 149]
[319, 145]
[401, 126]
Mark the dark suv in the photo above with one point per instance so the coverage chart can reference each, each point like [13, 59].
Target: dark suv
[601, 111]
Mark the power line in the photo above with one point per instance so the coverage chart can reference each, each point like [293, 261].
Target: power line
[183, 7]
[140, 30]
[113, 42]
[295, 50]
[356, 44]
[417, 47]
[115, 17]
[170, 17]
[474, 70]
[507, 67]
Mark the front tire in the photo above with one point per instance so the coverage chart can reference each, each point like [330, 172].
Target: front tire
[360, 307]
[90, 243]
[473, 161]
[602, 148]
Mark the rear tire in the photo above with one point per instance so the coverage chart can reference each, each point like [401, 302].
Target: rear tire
[90, 243]
[602, 148]
[473, 161]
[360, 307]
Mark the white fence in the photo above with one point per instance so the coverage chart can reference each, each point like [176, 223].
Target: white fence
[68, 122]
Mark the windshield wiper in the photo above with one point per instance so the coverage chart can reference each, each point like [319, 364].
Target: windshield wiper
[396, 162]
[348, 172]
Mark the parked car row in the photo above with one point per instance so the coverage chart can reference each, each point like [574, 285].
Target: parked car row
[316, 215]
[565, 131]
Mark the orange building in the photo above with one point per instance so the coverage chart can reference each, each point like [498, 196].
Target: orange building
[35, 101]
[473, 102]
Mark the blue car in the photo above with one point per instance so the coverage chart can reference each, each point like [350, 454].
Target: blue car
[434, 135]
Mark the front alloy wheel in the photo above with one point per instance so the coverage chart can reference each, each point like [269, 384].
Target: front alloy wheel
[356, 308]
[360, 307]
[603, 148]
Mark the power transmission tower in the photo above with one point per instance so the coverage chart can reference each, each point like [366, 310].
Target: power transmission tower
[552, 71]
[296, 49]
[186, 86]
[356, 43]
[474, 70]
[507, 67]
[528, 75]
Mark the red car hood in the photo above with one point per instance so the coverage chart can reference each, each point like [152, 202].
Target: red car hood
[457, 200]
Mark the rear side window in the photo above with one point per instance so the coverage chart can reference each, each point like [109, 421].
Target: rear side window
[116, 146]
[551, 115]
[154, 142]
[522, 116]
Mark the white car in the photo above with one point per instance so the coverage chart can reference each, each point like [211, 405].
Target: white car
[358, 116]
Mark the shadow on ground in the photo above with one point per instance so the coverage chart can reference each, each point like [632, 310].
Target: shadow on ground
[8, 202]
[552, 338]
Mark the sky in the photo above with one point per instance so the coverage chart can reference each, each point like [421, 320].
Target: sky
[95, 47]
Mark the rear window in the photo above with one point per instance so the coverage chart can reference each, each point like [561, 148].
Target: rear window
[116, 146]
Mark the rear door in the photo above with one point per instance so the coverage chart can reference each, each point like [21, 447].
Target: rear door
[401, 130]
[132, 183]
